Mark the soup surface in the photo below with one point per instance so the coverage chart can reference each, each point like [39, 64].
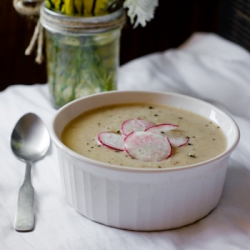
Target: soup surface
[206, 140]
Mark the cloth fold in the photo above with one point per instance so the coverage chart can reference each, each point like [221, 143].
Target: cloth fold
[206, 66]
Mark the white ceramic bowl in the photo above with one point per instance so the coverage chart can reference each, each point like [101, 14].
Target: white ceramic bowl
[142, 199]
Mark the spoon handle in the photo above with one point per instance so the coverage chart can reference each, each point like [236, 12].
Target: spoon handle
[25, 220]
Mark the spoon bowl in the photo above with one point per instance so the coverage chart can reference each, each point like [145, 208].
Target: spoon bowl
[30, 141]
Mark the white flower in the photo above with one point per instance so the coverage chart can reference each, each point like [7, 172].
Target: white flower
[143, 10]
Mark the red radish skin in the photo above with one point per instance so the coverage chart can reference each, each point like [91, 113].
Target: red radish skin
[134, 125]
[111, 140]
[147, 146]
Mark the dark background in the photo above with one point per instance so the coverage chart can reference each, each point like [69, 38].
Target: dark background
[174, 22]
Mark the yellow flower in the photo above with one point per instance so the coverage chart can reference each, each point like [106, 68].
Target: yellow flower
[69, 7]
[95, 7]
[79, 6]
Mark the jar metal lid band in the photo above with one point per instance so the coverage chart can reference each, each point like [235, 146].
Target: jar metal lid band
[65, 24]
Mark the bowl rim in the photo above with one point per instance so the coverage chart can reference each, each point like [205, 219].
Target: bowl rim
[100, 164]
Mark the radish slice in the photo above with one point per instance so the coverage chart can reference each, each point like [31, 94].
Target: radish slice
[134, 125]
[147, 146]
[178, 141]
[175, 138]
[111, 140]
[161, 128]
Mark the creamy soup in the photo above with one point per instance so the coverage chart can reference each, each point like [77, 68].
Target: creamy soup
[206, 140]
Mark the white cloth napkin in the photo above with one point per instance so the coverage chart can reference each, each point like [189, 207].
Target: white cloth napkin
[207, 67]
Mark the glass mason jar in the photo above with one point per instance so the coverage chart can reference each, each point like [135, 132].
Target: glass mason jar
[82, 54]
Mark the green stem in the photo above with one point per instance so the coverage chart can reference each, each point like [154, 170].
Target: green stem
[78, 71]
[93, 7]
[55, 45]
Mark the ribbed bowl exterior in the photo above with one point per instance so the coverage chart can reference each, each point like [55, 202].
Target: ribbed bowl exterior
[141, 201]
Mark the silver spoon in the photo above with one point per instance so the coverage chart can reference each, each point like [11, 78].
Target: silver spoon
[30, 141]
